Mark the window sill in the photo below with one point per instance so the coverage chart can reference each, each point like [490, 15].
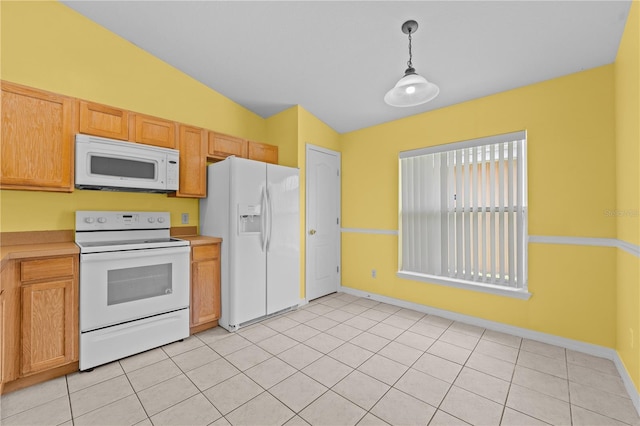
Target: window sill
[516, 293]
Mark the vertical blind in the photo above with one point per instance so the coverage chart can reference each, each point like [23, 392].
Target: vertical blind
[463, 211]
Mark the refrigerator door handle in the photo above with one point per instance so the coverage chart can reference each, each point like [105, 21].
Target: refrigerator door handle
[263, 218]
[269, 218]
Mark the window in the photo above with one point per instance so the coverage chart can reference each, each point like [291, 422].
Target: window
[463, 213]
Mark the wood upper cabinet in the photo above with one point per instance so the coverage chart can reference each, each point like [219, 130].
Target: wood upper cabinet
[154, 131]
[38, 131]
[205, 286]
[221, 146]
[102, 120]
[263, 152]
[192, 144]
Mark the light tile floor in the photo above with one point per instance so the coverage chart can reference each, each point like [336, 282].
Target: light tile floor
[340, 360]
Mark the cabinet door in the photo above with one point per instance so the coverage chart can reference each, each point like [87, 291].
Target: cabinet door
[37, 140]
[2, 334]
[193, 162]
[205, 285]
[263, 152]
[101, 120]
[222, 146]
[155, 131]
[48, 324]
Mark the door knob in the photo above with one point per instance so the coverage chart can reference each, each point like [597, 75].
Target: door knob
[312, 231]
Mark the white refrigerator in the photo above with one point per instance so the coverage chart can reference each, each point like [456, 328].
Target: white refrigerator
[254, 207]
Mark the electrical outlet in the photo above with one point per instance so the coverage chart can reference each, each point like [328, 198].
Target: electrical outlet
[373, 273]
[185, 218]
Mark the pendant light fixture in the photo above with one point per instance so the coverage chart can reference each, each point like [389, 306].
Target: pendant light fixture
[412, 89]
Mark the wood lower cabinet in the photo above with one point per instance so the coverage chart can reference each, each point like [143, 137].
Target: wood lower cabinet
[192, 144]
[38, 131]
[154, 131]
[205, 286]
[263, 152]
[102, 120]
[40, 319]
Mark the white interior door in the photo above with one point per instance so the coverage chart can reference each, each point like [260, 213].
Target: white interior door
[322, 222]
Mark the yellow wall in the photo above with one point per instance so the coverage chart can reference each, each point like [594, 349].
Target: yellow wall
[49, 46]
[627, 81]
[282, 130]
[569, 120]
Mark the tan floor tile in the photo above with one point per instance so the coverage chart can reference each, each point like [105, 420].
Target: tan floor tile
[596, 363]
[440, 418]
[194, 411]
[398, 408]
[596, 379]
[213, 373]
[27, 398]
[300, 356]
[152, 374]
[319, 308]
[383, 369]
[331, 409]
[257, 332]
[262, 410]
[385, 330]
[370, 341]
[301, 315]
[195, 358]
[212, 335]
[321, 323]
[280, 323]
[296, 421]
[493, 366]
[583, 417]
[553, 366]
[351, 355]
[186, 345]
[542, 382]
[126, 411]
[324, 343]
[483, 384]
[399, 322]
[301, 332]
[369, 303]
[550, 351]
[427, 329]
[511, 417]
[385, 307]
[278, 343]
[438, 367]
[247, 357]
[502, 338]
[343, 332]
[603, 403]
[471, 408]
[375, 315]
[468, 329]
[165, 394]
[229, 344]
[361, 323]
[334, 303]
[423, 386]
[437, 321]
[459, 339]
[232, 393]
[538, 405]
[371, 420]
[143, 359]
[81, 380]
[327, 371]
[297, 391]
[99, 395]
[339, 315]
[270, 372]
[54, 412]
[449, 352]
[354, 308]
[496, 350]
[401, 353]
[363, 390]
[410, 314]
[415, 340]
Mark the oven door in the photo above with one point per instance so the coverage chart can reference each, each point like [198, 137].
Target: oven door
[117, 287]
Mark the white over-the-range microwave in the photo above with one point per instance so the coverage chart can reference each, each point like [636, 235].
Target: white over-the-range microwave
[107, 164]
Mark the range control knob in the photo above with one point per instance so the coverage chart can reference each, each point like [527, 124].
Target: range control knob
[151, 220]
[88, 219]
[102, 219]
[161, 219]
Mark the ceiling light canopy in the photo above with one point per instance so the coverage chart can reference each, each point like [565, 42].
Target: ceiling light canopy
[412, 89]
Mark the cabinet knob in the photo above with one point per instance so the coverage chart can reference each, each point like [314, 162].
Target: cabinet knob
[312, 231]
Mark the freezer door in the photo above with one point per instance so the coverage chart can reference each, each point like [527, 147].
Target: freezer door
[247, 288]
[283, 244]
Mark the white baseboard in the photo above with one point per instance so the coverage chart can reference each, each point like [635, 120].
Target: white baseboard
[302, 302]
[575, 345]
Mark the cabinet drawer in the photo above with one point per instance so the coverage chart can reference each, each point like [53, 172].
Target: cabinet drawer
[206, 252]
[102, 120]
[224, 145]
[31, 270]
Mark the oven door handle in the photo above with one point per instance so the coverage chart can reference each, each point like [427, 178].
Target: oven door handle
[115, 255]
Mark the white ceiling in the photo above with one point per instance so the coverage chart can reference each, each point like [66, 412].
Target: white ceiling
[337, 59]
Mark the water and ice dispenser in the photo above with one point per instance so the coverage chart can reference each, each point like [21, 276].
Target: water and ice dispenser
[250, 219]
